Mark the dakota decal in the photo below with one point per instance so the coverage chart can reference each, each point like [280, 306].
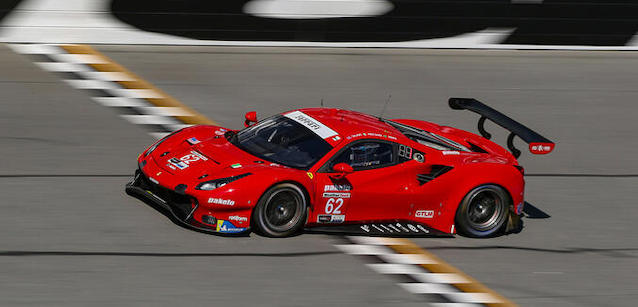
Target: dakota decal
[221, 201]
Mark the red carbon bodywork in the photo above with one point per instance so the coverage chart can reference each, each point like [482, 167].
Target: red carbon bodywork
[383, 194]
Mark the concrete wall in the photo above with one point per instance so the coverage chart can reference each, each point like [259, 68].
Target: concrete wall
[520, 24]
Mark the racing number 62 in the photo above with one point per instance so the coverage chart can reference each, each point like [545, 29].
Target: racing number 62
[334, 205]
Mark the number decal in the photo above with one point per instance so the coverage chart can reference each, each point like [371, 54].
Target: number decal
[189, 158]
[333, 205]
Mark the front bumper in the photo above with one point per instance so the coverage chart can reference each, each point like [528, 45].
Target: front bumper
[181, 207]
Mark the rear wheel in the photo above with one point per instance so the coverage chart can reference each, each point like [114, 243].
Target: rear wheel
[281, 211]
[483, 211]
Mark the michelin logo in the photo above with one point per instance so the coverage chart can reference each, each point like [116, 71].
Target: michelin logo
[221, 201]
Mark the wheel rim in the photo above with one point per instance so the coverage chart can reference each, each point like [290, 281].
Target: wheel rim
[283, 209]
[484, 210]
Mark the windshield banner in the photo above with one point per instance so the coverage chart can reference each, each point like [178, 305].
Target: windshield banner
[314, 125]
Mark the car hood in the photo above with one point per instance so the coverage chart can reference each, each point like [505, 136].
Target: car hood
[208, 156]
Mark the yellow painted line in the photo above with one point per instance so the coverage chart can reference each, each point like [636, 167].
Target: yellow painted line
[108, 65]
[405, 246]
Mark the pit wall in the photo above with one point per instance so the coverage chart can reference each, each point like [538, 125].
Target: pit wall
[501, 24]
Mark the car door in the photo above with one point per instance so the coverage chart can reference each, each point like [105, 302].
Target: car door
[375, 191]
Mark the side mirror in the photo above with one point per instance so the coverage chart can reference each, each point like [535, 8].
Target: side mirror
[341, 170]
[251, 117]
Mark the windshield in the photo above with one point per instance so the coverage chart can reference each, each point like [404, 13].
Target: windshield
[427, 138]
[281, 140]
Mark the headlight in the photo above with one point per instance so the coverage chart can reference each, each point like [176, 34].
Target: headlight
[214, 184]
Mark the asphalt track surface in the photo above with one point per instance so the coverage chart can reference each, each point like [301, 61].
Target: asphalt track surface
[71, 237]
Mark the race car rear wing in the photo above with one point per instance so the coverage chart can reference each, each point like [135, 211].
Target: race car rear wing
[538, 144]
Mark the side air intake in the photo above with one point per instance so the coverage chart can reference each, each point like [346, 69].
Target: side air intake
[437, 170]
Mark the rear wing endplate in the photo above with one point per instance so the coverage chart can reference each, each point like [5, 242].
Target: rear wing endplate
[538, 144]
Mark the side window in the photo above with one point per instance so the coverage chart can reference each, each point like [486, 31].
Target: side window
[366, 155]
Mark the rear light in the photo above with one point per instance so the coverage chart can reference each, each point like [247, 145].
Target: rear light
[520, 169]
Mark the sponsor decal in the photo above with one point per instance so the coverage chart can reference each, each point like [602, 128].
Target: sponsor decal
[328, 218]
[236, 165]
[336, 195]
[193, 141]
[394, 228]
[336, 138]
[219, 132]
[377, 228]
[158, 173]
[238, 218]
[337, 187]
[519, 208]
[221, 201]
[197, 154]
[310, 175]
[400, 226]
[424, 214]
[314, 125]
[186, 160]
[170, 166]
[450, 152]
[178, 163]
[153, 180]
[227, 227]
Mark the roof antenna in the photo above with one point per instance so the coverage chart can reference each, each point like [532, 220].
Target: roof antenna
[385, 106]
[322, 102]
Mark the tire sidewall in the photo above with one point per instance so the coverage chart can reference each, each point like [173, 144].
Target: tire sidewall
[258, 216]
[464, 226]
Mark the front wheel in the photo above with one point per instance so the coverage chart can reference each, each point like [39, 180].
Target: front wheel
[281, 211]
[483, 211]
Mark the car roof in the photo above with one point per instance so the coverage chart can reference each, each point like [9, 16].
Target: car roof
[351, 124]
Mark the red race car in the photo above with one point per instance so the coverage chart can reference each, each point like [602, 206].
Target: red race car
[333, 170]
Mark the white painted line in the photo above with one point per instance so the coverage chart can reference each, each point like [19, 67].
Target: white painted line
[395, 268]
[408, 259]
[107, 76]
[358, 249]
[165, 111]
[375, 240]
[159, 135]
[149, 119]
[79, 58]
[137, 93]
[472, 297]
[91, 84]
[61, 67]
[440, 278]
[428, 288]
[120, 102]
[35, 48]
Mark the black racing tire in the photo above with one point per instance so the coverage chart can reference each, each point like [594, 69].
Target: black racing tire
[483, 211]
[281, 211]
